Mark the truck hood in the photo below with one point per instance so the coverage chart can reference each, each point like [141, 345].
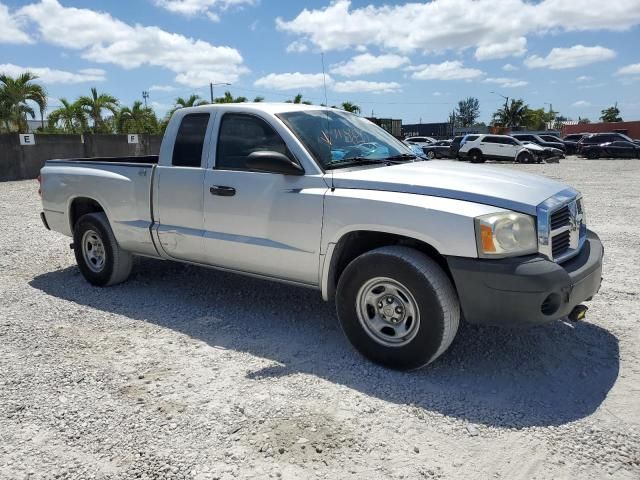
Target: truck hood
[499, 187]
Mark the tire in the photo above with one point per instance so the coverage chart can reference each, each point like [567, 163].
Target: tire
[416, 284]
[475, 156]
[431, 155]
[111, 264]
[592, 154]
[525, 157]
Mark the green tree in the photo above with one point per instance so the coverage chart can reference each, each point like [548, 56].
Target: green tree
[350, 107]
[137, 119]
[298, 99]
[95, 104]
[192, 101]
[535, 119]
[228, 98]
[583, 121]
[15, 93]
[467, 112]
[611, 114]
[70, 117]
[511, 115]
[258, 99]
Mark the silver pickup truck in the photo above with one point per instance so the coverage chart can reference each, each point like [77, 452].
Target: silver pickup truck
[325, 199]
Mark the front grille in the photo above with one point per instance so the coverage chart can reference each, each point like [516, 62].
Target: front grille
[560, 218]
[560, 243]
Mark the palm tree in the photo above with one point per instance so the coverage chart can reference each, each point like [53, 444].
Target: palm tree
[137, 119]
[71, 116]
[192, 101]
[511, 115]
[228, 98]
[14, 95]
[95, 104]
[298, 99]
[350, 107]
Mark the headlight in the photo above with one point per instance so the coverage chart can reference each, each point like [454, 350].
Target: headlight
[506, 234]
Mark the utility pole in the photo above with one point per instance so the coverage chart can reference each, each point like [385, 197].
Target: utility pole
[211, 85]
[145, 96]
[506, 104]
[550, 122]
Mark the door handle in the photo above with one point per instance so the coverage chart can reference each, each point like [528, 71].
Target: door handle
[222, 191]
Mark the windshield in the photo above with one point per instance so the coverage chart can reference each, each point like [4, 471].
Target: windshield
[340, 139]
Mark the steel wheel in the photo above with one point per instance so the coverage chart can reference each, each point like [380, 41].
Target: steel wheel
[93, 251]
[388, 312]
[431, 155]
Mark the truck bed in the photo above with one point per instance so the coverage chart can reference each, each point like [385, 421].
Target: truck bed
[133, 160]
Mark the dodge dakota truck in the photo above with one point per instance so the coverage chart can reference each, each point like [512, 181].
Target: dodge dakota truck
[323, 198]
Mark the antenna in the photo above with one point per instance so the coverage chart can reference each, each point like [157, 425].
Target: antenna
[326, 109]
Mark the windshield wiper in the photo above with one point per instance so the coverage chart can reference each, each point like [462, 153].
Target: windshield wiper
[345, 162]
[402, 156]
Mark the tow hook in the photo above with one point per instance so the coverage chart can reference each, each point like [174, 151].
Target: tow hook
[578, 313]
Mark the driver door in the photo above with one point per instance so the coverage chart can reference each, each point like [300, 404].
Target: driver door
[256, 222]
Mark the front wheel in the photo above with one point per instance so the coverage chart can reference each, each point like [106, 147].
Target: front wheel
[101, 260]
[431, 155]
[525, 157]
[397, 307]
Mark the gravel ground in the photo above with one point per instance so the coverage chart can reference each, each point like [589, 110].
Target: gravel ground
[189, 373]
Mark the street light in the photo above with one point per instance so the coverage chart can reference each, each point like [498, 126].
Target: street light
[211, 85]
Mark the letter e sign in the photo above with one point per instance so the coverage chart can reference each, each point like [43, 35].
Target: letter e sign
[27, 139]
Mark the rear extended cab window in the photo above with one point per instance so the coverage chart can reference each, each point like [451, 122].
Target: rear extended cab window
[187, 150]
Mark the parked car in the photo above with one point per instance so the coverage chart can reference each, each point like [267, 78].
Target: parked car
[480, 148]
[599, 138]
[543, 154]
[569, 147]
[455, 146]
[619, 149]
[529, 137]
[421, 141]
[404, 248]
[416, 150]
[571, 141]
[440, 149]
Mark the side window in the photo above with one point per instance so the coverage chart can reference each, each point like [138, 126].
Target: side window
[489, 139]
[187, 151]
[241, 135]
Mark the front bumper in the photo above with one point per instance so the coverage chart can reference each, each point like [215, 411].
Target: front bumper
[526, 291]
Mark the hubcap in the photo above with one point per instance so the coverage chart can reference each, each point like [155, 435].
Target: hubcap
[93, 251]
[388, 312]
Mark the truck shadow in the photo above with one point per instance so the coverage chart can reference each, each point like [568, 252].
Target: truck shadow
[548, 375]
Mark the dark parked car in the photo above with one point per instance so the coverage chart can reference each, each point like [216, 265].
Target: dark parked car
[569, 147]
[571, 141]
[600, 138]
[440, 149]
[619, 149]
[455, 146]
[529, 137]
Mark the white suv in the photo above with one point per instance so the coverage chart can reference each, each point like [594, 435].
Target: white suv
[480, 148]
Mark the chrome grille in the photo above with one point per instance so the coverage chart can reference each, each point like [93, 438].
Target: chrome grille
[561, 226]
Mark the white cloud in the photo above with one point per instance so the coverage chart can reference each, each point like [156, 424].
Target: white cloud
[211, 8]
[292, 81]
[509, 68]
[50, 75]
[450, 70]
[583, 78]
[437, 94]
[367, 64]
[162, 88]
[633, 69]
[10, 28]
[297, 47]
[572, 57]
[507, 82]
[581, 103]
[352, 86]
[105, 39]
[441, 25]
[511, 48]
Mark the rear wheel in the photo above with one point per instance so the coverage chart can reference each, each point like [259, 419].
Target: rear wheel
[397, 307]
[101, 260]
[592, 154]
[475, 156]
[525, 157]
[431, 154]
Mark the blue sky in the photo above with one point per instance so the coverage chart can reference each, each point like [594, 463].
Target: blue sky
[402, 60]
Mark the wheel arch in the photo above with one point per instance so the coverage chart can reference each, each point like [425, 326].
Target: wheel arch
[82, 205]
[354, 243]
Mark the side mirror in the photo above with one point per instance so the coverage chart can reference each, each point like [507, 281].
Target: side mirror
[273, 162]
